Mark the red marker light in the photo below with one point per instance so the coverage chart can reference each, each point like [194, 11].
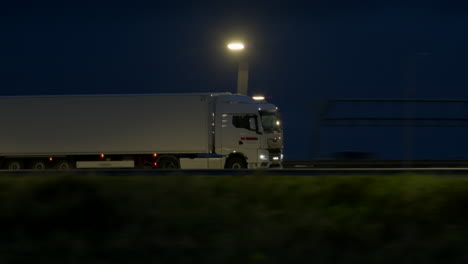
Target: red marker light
[155, 164]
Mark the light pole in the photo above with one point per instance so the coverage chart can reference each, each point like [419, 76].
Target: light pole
[243, 72]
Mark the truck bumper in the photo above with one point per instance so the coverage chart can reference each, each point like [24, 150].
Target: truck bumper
[274, 161]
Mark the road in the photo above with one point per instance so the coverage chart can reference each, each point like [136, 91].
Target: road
[263, 172]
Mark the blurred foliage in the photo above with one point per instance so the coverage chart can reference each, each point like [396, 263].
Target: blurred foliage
[234, 219]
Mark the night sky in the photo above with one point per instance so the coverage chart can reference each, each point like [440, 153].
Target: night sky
[300, 54]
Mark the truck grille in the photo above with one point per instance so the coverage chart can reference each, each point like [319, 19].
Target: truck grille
[274, 152]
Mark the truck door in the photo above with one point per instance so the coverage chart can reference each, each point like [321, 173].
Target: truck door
[239, 133]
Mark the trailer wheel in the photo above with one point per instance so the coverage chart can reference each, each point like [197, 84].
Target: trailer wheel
[236, 163]
[38, 165]
[14, 165]
[168, 162]
[64, 165]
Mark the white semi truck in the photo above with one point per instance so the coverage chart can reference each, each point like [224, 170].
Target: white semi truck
[187, 131]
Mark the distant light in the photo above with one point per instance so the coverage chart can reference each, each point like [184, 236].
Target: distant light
[258, 97]
[102, 156]
[278, 122]
[50, 159]
[235, 46]
[155, 164]
[155, 155]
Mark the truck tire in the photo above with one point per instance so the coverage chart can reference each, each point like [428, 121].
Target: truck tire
[64, 165]
[236, 163]
[38, 165]
[168, 162]
[14, 165]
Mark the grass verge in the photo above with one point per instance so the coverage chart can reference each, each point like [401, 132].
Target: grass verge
[239, 219]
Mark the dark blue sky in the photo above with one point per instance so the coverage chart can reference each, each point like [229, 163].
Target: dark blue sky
[299, 52]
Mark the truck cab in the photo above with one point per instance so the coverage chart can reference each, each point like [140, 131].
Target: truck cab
[248, 132]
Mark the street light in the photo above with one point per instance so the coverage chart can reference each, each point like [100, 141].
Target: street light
[243, 72]
[235, 46]
[258, 97]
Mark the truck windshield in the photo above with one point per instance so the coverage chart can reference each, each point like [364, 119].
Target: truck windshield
[271, 121]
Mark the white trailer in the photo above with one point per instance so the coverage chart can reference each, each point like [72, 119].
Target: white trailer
[217, 130]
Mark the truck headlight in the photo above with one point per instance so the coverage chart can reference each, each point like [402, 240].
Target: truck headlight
[263, 157]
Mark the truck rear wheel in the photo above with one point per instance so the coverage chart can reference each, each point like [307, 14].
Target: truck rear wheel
[64, 165]
[236, 163]
[38, 165]
[168, 162]
[14, 165]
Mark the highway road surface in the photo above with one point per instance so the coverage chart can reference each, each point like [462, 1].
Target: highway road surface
[456, 171]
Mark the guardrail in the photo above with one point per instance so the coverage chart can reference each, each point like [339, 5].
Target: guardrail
[375, 164]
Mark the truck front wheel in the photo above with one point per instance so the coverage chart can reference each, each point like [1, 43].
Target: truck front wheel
[236, 163]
